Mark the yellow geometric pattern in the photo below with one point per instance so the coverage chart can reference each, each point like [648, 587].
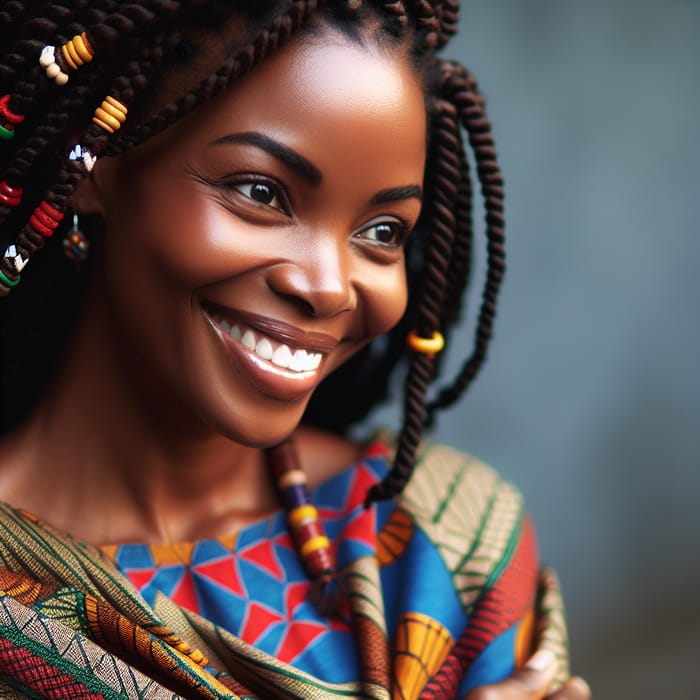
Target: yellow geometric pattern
[422, 645]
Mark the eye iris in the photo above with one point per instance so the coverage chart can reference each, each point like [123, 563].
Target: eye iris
[262, 193]
[385, 233]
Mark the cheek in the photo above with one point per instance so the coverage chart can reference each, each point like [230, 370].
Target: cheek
[387, 300]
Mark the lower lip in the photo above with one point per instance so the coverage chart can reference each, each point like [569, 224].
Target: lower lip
[266, 377]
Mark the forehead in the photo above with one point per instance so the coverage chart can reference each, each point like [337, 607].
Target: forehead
[325, 95]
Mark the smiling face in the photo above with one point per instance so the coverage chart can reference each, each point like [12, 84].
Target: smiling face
[256, 245]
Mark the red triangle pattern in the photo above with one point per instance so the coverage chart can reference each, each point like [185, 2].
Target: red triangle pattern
[224, 572]
[363, 479]
[140, 577]
[297, 637]
[294, 596]
[362, 528]
[258, 619]
[262, 554]
[184, 593]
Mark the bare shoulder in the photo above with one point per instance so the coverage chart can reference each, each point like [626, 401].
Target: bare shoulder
[323, 454]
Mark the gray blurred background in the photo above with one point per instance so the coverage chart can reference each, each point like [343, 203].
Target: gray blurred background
[590, 401]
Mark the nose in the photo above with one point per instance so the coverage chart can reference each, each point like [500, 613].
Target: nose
[316, 277]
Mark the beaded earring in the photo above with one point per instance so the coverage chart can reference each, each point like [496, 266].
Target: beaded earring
[75, 244]
[303, 522]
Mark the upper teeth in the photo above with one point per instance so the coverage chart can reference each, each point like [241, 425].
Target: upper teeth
[282, 355]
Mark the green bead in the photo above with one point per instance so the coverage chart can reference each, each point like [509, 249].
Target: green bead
[6, 134]
[7, 281]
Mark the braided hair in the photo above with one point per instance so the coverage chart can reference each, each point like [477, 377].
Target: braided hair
[101, 60]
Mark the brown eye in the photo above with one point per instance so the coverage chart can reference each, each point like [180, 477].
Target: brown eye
[386, 233]
[262, 193]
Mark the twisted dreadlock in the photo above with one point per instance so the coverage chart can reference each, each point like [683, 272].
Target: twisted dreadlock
[101, 60]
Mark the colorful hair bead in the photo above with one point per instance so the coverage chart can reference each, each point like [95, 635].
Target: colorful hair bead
[427, 346]
[49, 61]
[77, 51]
[45, 219]
[10, 196]
[83, 154]
[8, 282]
[15, 258]
[110, 115]
[8, 119]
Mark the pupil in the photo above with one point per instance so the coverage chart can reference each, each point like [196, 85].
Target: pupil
[262, 193]
[385, 234]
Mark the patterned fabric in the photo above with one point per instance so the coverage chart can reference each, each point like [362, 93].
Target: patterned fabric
[442, 594]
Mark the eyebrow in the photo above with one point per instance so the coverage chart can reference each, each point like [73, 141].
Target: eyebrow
[307, 169]
[290, 158]
[394, 194]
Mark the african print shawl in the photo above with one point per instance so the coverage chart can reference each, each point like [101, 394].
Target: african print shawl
[441, 586]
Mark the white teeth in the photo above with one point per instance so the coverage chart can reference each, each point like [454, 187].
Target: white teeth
[297, 362]
[282, 357]
[264, 349]
[248, 340]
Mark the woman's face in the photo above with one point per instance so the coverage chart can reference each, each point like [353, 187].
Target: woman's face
[256, 245]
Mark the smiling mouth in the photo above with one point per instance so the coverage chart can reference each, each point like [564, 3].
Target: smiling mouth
[281, 355]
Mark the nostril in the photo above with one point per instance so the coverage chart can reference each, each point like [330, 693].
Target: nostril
[306, 307]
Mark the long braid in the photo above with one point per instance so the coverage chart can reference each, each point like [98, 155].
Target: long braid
[442, 226]
[461, 89]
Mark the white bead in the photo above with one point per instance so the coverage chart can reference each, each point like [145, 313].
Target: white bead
[47, 57]
[53, 70]
[61, 78]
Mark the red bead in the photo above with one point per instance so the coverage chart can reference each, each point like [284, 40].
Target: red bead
[51, 211]
[11, 196]
[7, 113]
[308, 530]
[45, 219]
[319, 562]
[38, 226]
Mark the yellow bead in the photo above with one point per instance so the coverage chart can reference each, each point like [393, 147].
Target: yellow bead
[82, 46]
[428, 346]
[314, 544]
[110, 115]
[70, 56]
[106, 121]
[301, 514]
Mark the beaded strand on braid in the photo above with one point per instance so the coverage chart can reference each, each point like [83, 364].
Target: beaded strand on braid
[107, 120]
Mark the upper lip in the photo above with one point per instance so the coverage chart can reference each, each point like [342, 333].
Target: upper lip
[281, 331]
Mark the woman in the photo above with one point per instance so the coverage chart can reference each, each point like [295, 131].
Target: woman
[266, 194]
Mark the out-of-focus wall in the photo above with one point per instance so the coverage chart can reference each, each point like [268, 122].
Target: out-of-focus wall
[590, 401]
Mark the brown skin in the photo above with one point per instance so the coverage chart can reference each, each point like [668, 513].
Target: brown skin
[172, 412]
[167, 410]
